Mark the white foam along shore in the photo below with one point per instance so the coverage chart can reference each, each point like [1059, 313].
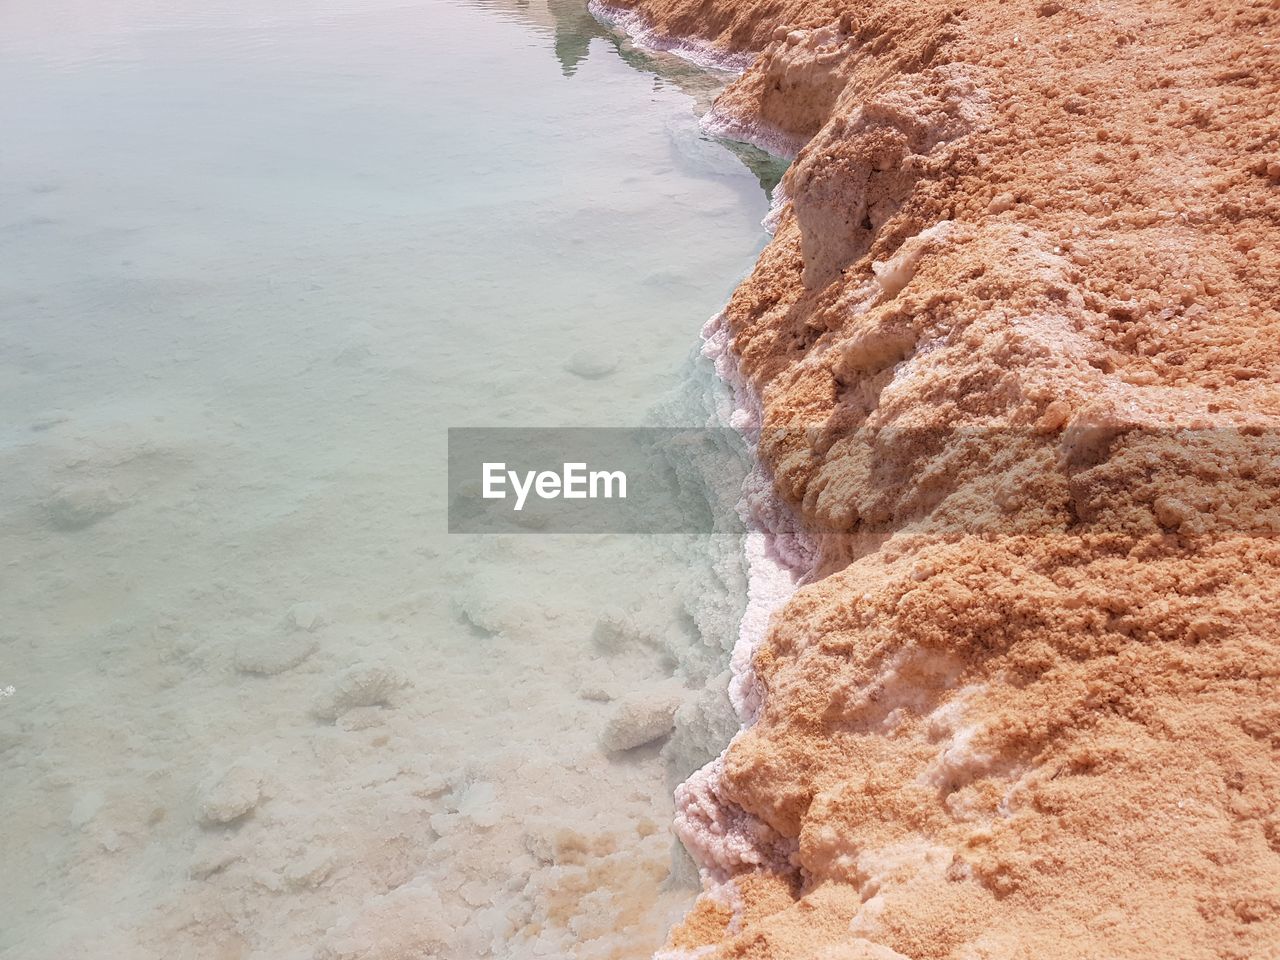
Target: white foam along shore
[722, 838]
[643, 33]
[725, 125]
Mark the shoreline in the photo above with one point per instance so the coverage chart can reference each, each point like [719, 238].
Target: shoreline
[721, 838]
[719, 121]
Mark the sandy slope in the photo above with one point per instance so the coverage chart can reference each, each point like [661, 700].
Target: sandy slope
[1016, 342]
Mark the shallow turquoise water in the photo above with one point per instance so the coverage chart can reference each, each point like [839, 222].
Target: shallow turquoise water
[254, 260]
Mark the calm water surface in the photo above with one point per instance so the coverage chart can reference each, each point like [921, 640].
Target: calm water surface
[255, 258]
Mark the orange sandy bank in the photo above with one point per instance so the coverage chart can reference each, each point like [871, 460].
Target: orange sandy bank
[1017, 343]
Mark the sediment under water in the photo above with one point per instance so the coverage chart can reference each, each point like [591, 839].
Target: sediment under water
[256, 260]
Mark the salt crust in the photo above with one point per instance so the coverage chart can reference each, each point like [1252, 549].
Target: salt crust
[643, 33]
[721, 836]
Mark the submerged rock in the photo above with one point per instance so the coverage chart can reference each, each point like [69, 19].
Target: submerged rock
[213, 859]
[641, 718]
[311, 869]
[231, 795]
[591, 366]
[363, 685]
[271, 654]
[307, 616]
[82, 505]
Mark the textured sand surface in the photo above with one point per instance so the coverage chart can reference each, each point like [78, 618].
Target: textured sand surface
[1015, 344]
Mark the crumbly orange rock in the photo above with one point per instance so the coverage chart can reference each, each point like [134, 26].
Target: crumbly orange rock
[1015, 343]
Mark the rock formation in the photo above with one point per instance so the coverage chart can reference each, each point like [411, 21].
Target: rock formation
[1015, 349]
